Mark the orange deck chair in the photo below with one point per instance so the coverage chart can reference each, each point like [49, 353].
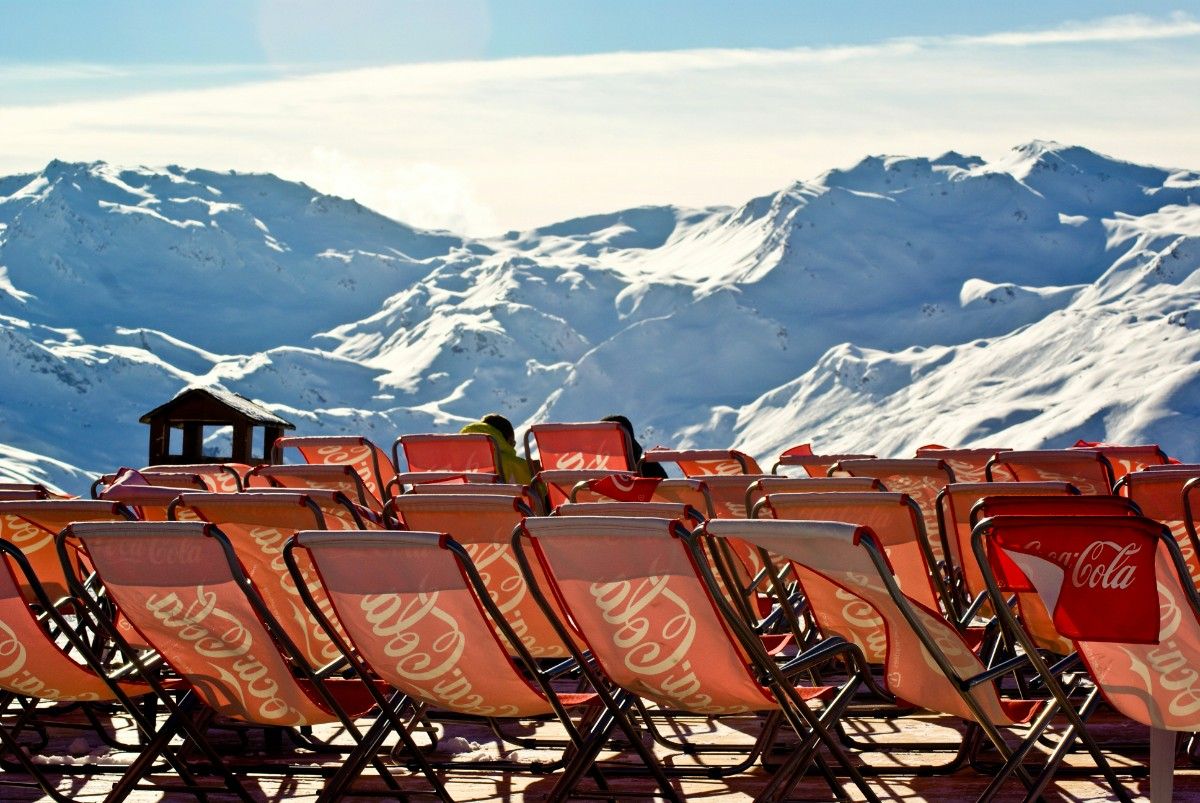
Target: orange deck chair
[814, 465]
[968, 465]
[422, 590]
[704, 462]
[461, 458]
[163, 479]
[1124, 598]
[1125, 459]
[183, 588]
[920, 478]
[590, 445]
[631, 488]
[643, 601]
[1087, 469]
[220, 477]
[331, 477]
[369, 461]
[149, 502]
[1160, 496]
[555, 485]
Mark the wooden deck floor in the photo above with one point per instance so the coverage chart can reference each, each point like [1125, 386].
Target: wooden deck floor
[460, 742]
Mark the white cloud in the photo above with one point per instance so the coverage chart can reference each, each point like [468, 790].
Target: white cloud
[481, 146]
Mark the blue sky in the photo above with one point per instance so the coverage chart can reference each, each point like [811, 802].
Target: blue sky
[484, 116]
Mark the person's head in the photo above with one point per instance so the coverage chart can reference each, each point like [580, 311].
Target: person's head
[625, 423]
[501, 425]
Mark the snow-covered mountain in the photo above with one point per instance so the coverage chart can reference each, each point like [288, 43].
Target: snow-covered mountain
[1026, 302]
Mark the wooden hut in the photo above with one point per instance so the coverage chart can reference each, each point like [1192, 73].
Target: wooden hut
[196, 413]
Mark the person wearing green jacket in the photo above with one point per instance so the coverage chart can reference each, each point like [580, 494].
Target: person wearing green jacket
[500, 430]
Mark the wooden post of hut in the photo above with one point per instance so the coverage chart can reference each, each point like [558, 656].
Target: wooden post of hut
[196, 413]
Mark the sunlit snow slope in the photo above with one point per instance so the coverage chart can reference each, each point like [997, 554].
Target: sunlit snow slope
[1027, 302]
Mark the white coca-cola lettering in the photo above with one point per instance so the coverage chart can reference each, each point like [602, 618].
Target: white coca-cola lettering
[1105, 564]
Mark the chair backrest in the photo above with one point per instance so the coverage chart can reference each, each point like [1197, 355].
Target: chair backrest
[704, 462]
[415, 620]
[630, 488]
[1038, 620]
[921, 478]
[651, 510]
[591, 445]
[467, 452]
[728, 494]
[12, 495]
[257, 526]
[181, 587]
[162, 479]
[557, 484]
[1118, 587]
[484, 525]
[631, 589]
[1174, 467]
[407, 480]
[32, 663]
[809, 485]
[816, 465]
[38, 490]
[31, 526]
[968, 465]
[1160, 495]
[370, 462]
[837, 557]
[485, 489]
[219, 477]
[333, 477]
[1087, 469]
[893, 517]
[955, 523]
[149, 502]
[1124, 459]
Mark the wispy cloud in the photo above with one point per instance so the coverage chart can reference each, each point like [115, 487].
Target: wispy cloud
[486, 145]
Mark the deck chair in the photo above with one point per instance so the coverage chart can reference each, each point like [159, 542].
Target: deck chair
[332, 477]
[1036, 618]
[23, 494]
[37, 488]
[257, 526]
[704, 462]
[163, 479]
[1123, 595]
[422, 618]
[44, 666]
[555, 485]
[807, 485]
[585, 446]
[657, 627]
[369, 461]
[1174, 467]
[463, 453]
[968, 465]
[220, 477]
[483, 525]
[686, 514]
[148, 502]
[30, 526]
[898, 525]
[630, 488]
[183, 588]
[928, 664]
[815, 465]
[526, 492]
[954, 505]
[1160, 495]
[1087, 469]
[920, 478]
[1124, 459]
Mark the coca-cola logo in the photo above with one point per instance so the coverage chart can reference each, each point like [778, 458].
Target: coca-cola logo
[1106, 565]
[24, 534]
[578, 461]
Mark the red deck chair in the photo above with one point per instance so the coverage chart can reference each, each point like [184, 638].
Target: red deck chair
[31, 526]
[642, 600]
[484, 489]
[809, 485]
[166, 479]
[897, 523]
[556, 484]
[968, 465]
[184, 590]
[586, 446]
[1087, 469]
[484, 526]
[1036, 618]
[630, 488]
[704, 462]
[149, 502]
[369, 461]
[306, 477]
[425, 590]
[928, 664]
[1160, 496]
[1124, 459]
[257, 525]
[44, 666]
[686, 514]
[1124, 597]
[471, 453]
[814, 465]
[954, 505]
[220, 477]
[920, 478]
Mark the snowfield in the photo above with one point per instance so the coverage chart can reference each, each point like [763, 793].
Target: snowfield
[1048, 296]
